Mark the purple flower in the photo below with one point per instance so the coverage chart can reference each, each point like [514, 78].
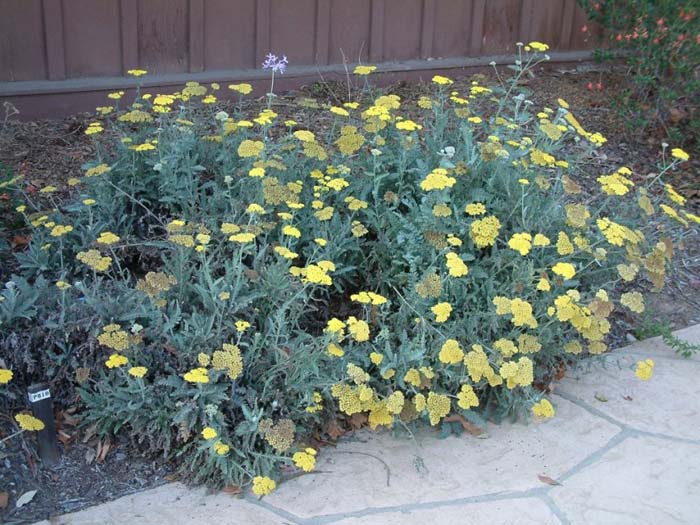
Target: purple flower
[276, 64]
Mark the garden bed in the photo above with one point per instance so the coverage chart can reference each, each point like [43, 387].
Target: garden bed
[51, 153]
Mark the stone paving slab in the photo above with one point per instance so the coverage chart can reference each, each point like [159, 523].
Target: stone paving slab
[642, 480]
[624, 452]
[655, 348]
[172, 504]
[389, 471]
[524, 511]
[663, 405]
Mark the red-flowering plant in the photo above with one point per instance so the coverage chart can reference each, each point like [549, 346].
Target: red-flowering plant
[662, 38]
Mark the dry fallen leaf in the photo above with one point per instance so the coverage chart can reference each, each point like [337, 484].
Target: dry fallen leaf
[89, 433]
[19, 241]
[4, 498]
[357, 421]
[232, 490]
[547, 480]
[468, 427]
[333, 429]
[25, 498]
[103, 449]
[64, 437]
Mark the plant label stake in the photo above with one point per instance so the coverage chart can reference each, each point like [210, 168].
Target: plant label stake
[42, 408]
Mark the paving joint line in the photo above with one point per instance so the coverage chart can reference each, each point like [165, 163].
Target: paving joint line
[554, 508]
[628, 429]
[327, 519]
[295, 520]
[542, 493]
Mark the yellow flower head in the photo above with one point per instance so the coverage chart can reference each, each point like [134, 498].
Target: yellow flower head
[243, 89]
[364, 70]
[442, 81]
[678, 153]
[262, 485]
[566, 270]
[5, 376]
[29, 423]
[543, 408]
[305, 460]
[138, 371]
[209, 433]
[116, 360]
[645, 369]
[442, 312]
[451, 353]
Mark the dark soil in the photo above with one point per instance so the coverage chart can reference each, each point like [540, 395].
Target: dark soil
[51, 151]
[78, 480]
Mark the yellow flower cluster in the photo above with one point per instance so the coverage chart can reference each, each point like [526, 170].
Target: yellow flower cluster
[5, 376]
[197, 375]
[485, 231]
[305, 460]
[280, 436]
[455, 265]
[315, 273]
[520, 309]
[442, 312]
[228, 359]
[95, 260]
[368, 298]
[262, 485]
[438, 179]
[645, 369]
[29, 423]
[451, 353]
[116, 361]
[543, 408]
[114, 337]
[517, 373]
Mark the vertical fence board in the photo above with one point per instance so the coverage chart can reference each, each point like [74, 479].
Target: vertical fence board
[53, 36]
[546, 22]
[453, 28]
[129, 22]
[567, 25]
[350, 31]
[263, 25]
[92, 49]
[286, 36]
[196, 35]
[22, 47]
[527, 12]
[501, 26]
[402, 29]
[229, 36]
[376, 42]
[427, 28]
[162, 34]
[478, 23]
[323, 28]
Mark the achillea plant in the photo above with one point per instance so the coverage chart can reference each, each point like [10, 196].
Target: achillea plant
[222, 282]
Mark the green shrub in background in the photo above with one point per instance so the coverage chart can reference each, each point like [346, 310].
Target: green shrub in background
[662, 43]
[219, 284]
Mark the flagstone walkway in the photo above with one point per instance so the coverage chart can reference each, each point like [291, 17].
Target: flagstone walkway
[619, 451]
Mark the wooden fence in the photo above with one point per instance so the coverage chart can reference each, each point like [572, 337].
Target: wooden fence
[62, 47]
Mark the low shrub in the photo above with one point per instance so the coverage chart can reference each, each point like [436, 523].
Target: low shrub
[220, 284]
[661, 40]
